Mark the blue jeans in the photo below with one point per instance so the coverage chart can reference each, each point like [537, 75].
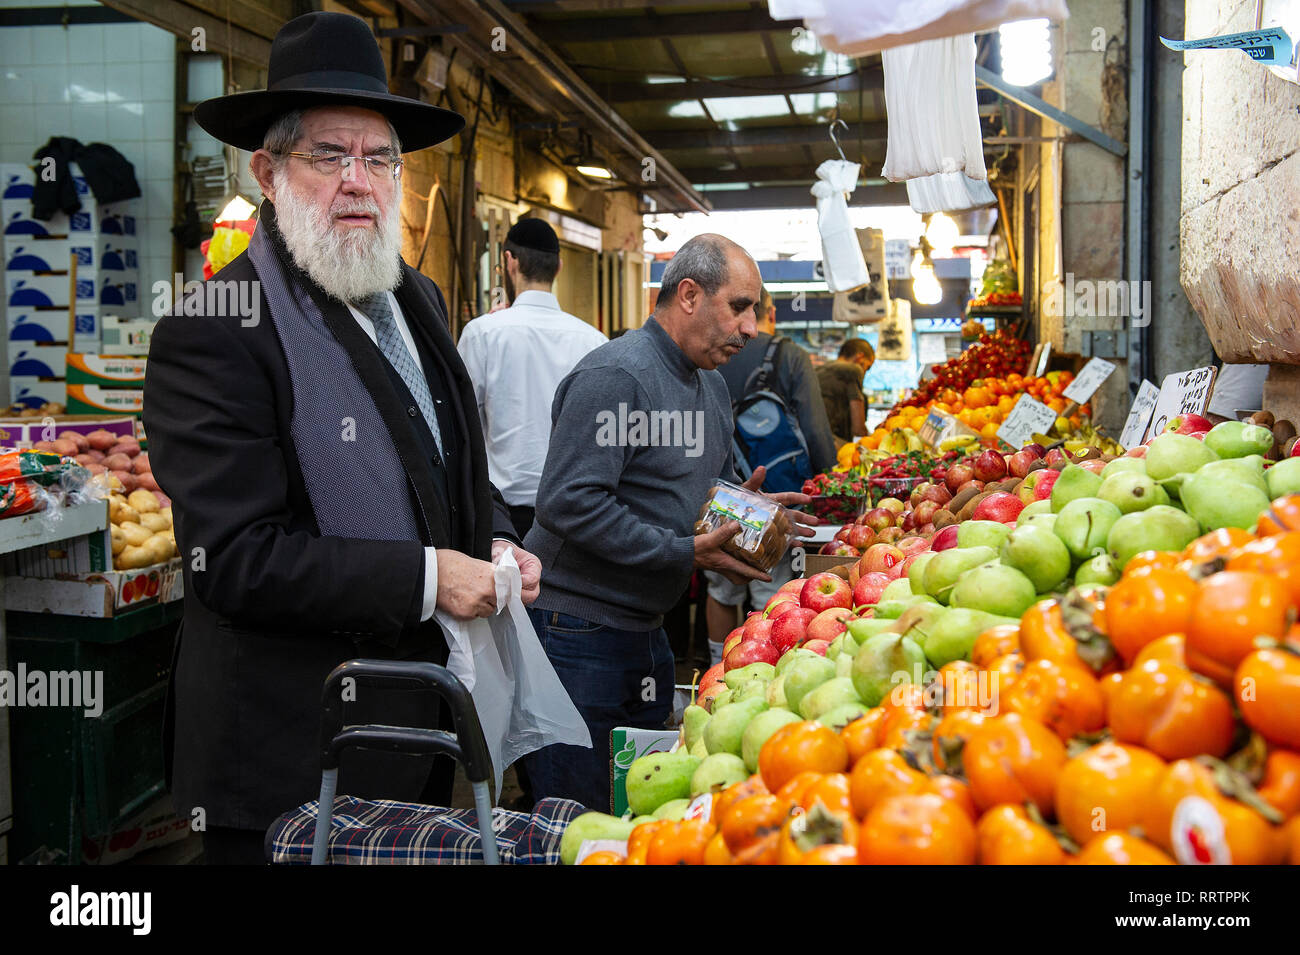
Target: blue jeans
[615, 678]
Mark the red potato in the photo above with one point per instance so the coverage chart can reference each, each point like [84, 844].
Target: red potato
[64, 447]
[85, 459]
[163, 500]
[96, 468]
[126, 479]
[128, 447]
[101, 440]
[146, 481]
[83, 443]
[96, 456]
[118, 462]
[43, 446]
[140, 464]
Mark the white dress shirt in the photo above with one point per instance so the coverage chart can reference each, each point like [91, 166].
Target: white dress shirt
[430, 554]
[516, 358]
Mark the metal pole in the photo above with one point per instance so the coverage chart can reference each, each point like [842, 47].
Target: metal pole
[329, 782]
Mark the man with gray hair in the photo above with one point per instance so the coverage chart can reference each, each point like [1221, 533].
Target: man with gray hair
[324, 458]
[619, 497]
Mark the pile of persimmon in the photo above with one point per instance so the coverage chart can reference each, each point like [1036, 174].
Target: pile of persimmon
[1076, 737]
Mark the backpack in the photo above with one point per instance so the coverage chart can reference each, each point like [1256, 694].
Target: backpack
[767, 433]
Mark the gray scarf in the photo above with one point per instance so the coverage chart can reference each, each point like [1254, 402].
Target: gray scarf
[355, 479]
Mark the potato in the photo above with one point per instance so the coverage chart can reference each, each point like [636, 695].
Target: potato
[115, 504]
[96, 469]
[133, 558]
[159, 548]
[118, 537]
[64, 447]
[146, 481]
[96, 456]
[154, 521]
[85, 460]
[43, 446]
[135, 533]
[82, 442]
[126, 514]
[117, 462]
[101, 440]
[128, 446]
[142, 501]
[125, 478]
[167, 513]
[140, 464]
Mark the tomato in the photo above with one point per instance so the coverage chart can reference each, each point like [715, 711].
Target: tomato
[1104, 789]
[878, 774]
[807, 831]
[1251, 839]
[1231, 609]
[916, 829]
[1066, 698]
[1171, 711]
[860, 736]
[682, 843]
[950, 737]
[1278, 555]
[1172, 648]
[1121, 848]
[1015, 759]
[797, 747]
[603, 857]
[1005, 835]
[1280, 787]
[994, 642]
[1267, 688]
[749, 820]
[1141, 609]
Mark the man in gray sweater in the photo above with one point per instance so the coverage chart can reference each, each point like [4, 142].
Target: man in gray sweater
[641, 428]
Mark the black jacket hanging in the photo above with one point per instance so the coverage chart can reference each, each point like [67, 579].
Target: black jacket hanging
[108, 173]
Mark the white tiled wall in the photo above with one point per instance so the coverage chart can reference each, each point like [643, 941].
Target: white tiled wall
[112, 83]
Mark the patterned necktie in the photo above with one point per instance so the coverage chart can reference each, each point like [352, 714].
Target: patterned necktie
[390, 342]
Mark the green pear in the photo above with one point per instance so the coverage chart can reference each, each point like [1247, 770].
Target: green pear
[955, 632]
[762, 671]
[722, 734]
[791, 657]
[919, 620]
[1284, 478]
[883, 662]
[843, 665]
[1242, 470]
[1074, 482]
[1136, 465]
[834, 692]
[591, 826]
[1131, 491]
[656, 778]
[916, 572]
[1037, 553]
[1236, 439]
[836, 648]
[751, 689]
[1033, 509]
[899, 589]
[996, 589]
[715, 773]
[1084, 524]
[1157, 528]
[1097, 570]
[672, 809]
[893, 609]
[721, 700]
[1043, 520]
[942, 572]
[1170, 453]
[760, 728]
[775, 695]
[804, 677]
[842, 715]
[981, 534]
[699, 750]
[1217, 503]
[865, 627]
[693, 721]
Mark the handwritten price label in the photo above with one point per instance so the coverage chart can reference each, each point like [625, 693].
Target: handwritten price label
[1183, 392]
[1027, 418]
[1139, 416]
[1090, 379]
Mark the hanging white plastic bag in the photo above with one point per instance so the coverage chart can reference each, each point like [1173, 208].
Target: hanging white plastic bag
[522, 705]
[842, 258]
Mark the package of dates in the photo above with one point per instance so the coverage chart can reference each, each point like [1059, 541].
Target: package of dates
[765, 528]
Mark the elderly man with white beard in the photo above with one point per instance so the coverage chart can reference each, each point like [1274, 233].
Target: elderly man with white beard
[324, 458]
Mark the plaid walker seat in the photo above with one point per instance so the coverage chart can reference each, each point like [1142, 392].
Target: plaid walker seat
[387, 832]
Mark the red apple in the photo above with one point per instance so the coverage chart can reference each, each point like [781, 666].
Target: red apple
[1188, 424]
[824, 592]
[913, 545]
[977, 485]
[889, 535]
[1018, 464]
[892, 504]
[908, 523]
[711, 676]
[1095, 465]
[944, 538]
[781, 607]
[867, 592]
[1043, 486]
[705, 698]
[861, 536]
[926, 530]
[1141, 451]
[924, 513]
[878, 518]
[732, 639]
[792, 629]
[906, 565]
[880, 557]
[757, 627]
[843, 533]
[817, 646]
[937, 493]
[751, 651]
[998, 506]
[1055, 456]
[990, 466]
[957, 475]
[839, 549]
[829, 624]
[791, 587]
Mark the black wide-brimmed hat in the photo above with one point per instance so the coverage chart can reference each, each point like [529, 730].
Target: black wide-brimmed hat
[324, 59]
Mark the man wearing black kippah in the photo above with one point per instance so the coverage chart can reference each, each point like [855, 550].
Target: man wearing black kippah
[516, 358]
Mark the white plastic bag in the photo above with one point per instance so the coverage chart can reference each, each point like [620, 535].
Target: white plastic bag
[842, 258]
[521, 703]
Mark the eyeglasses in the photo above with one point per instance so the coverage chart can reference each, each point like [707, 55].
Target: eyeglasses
[331, 164]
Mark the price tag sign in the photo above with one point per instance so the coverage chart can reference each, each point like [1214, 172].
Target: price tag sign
[1042, 360]
[1090, 378]
[1027, 418]
[1139, 416]
[932, 429]
[1183, 392]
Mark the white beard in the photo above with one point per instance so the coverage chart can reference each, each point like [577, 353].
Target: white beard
[348, 264]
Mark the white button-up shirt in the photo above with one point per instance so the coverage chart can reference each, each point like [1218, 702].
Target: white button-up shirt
[516, 358]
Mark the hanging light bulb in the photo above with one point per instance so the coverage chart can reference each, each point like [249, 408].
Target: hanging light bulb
[926, 288]
[942, 233]
[1026, 50]
[236, 210]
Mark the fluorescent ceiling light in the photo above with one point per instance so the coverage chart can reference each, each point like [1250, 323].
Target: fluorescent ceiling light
[1026, 50]
[746, 107]
[594, 172]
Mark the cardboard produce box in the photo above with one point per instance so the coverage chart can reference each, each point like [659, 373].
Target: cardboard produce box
[24, 432]
[95, 399]
[106, 370]
[38, 360]
[126, 336]
[626, 745]
[100, 594]
[49, 326]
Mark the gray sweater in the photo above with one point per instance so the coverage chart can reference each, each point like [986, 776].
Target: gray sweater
[638, 436]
